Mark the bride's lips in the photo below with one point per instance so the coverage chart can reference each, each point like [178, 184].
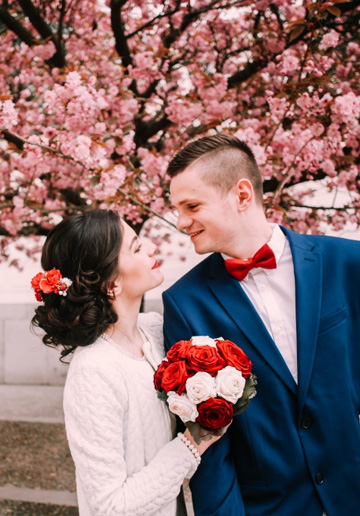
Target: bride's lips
[155, 266]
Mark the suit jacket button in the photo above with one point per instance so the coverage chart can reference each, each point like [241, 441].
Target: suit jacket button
[306, 423]
[319, 477]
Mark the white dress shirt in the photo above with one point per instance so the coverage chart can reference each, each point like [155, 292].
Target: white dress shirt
[272, 292]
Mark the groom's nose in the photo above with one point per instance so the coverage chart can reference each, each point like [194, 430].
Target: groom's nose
[183, 222]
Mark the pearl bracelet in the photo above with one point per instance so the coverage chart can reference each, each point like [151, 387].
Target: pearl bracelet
[191, 447]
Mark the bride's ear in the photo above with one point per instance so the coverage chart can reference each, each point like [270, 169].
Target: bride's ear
[114, 290]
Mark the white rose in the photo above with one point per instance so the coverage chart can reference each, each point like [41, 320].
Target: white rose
[230, 384]
[200, 387]
[182, 407]
[203, 341]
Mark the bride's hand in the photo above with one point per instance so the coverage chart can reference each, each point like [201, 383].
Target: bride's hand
[204, 443]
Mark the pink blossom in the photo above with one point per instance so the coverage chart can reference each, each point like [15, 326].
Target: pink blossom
[290, 64]
[44, 51]
[330, 39]
[346, 109]
[260, 154]
[317, 129]
[100, 127]
[152, 163]
[304, 101]
[127, 145]
[110, 181]
[119, 121]
[328, 167]
[278, 107]
[275, 45]
[10, 225]
[353, 49]
[73, 80]
[18, 201]
[8, 114]
[25, 93]
[182, 111]
[249, 135]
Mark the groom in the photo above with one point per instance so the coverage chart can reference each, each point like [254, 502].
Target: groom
[296, 450]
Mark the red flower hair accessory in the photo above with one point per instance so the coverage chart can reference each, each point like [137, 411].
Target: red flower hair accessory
[50, 281]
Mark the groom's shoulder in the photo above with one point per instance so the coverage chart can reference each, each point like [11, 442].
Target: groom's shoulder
[195, 275]
[327, 243]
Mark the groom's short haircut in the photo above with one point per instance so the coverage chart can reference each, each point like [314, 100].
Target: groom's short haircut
[223, 160]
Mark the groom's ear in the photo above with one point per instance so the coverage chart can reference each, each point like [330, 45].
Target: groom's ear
[245, 194]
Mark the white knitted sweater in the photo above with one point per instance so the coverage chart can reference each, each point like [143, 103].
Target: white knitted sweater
[120, 433]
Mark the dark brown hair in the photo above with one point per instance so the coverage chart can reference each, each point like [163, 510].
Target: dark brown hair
[85, 248]
[223, 159]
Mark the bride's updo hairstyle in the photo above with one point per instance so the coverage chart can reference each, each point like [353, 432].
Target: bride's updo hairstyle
[85, 248]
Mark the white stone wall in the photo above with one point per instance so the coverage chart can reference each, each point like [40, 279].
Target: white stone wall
[24, 359]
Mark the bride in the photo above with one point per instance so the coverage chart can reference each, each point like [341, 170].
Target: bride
[121, 436]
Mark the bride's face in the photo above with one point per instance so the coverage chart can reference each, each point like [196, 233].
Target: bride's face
[139, 270]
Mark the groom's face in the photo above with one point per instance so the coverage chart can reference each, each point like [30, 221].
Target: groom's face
[205, 213]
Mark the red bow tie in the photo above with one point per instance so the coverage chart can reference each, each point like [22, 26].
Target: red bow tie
[263, 258]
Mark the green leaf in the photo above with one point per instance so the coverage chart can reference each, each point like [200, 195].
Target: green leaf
[162, 395]
[249, 392]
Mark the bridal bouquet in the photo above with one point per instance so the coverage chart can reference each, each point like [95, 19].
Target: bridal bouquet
[205, 382]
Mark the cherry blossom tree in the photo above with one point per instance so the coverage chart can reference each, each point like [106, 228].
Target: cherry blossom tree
[95, 97]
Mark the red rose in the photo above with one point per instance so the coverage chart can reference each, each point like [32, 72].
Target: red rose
[35, 282]
[205, 358]
[179, 350]
[159, 374]
[235, 356]
[174, 377]
[51, 281]
[38, 296]
[214, 413]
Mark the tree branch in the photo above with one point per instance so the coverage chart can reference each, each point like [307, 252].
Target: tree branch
[259, 63]
[145, 207]
[145, 130]
[15, 26]
[121, 45]
[244, 74]
[13, 138]
[20, 142]
[117, 26]
[70, 195]
[45, 31]
[36, 19]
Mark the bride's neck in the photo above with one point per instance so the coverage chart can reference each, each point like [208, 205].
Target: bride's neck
[125, 331]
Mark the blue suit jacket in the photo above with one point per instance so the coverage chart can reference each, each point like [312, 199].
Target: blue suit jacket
[296, 450]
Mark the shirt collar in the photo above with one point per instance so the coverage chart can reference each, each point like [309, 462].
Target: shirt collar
[277, 241]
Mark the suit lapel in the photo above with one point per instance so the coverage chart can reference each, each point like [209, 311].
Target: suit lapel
[238, 306]
[308, 282]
